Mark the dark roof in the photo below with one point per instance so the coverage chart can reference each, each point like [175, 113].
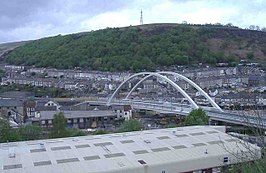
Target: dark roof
[46, 108]
[68, 102]
[121, 107]
[76, 114]
[30, 103]
[89, 106]
[10, 103]
[127, 107]
[117, 107]
[65, 108]
[42, 102]
[16, 94]
[240, 95]
[252, 77]
[97, 107]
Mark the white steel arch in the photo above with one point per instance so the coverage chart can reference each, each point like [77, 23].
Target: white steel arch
[195, 106]
[135, 86]
[185, 79]
[195, 86]
[119, 87]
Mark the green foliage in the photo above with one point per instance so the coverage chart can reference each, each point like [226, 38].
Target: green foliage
[130, 125]
[171, 126]
[75, 132]
[123, 49]
[33, 132]
[14, 135]
[4, 131]
[59, 126]
[26, 132]
[250, 55]
[30, 132]
[258, 166]
[196, 117]
[1, 73]
[59, 129]
[100, 132]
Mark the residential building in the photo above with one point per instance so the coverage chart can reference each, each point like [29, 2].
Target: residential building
[79, 114]
[29, 108]
[77, 119]
[122, 111]
[11, 109]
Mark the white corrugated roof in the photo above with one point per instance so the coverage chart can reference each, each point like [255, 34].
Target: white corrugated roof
[113, 152]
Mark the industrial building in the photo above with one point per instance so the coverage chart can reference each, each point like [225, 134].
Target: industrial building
[184, 149]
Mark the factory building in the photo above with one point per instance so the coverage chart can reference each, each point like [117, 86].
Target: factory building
[195, 149]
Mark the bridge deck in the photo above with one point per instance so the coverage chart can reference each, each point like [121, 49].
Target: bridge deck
[183, 109]
[214, 114]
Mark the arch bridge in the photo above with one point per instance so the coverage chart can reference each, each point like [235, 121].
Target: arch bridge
[163, 76]
[214, 112]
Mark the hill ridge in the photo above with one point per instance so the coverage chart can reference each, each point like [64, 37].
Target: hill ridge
[143, 47]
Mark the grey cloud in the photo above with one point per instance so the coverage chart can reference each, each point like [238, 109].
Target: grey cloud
[92, 7]
[30, 19]
[21, 8]
[19, 17]
[16, 13]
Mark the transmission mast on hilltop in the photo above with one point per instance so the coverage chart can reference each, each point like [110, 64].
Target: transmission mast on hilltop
[141, 18]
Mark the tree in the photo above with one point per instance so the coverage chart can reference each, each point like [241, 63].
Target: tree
[2, 72]
[97, 63]
[100, 132]
[257, 166]
[118, 49]
[4, 130]
[229, 25]
[75, 132]
[263, 29]
[130, 125]
[252, 27]
[59, 126]
[256, 136]
[59, 129]
[6, 133]
[30, 132]
[250, 55]
[196, 117]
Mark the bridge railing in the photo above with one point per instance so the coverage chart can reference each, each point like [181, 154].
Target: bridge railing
[225, 116]
[182, 109]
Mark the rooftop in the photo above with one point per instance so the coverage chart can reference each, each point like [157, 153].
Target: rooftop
[130, 151]
[45, 115]
[7, 102]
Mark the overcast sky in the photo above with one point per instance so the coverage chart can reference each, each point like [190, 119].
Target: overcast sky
[33, 19]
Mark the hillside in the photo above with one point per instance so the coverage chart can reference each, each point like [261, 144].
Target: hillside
[7, 47]
[144, 47]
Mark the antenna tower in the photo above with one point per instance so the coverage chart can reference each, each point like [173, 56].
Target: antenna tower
[141, 18]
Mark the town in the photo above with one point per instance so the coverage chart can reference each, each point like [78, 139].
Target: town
[239, 89]
[132, 86]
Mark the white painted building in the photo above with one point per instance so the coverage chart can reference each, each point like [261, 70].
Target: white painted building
[122, 111]
[186, 149]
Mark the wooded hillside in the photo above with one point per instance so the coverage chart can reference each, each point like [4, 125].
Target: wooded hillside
[144, 47]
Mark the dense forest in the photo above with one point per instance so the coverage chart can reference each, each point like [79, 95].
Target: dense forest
[144, 47]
